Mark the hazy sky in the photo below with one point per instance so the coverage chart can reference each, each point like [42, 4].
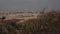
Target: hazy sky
[28, 4]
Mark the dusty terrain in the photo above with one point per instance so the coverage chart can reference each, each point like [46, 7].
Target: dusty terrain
[18, 16]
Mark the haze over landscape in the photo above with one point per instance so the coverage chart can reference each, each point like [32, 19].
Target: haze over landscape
[29, 4]
[29, 17]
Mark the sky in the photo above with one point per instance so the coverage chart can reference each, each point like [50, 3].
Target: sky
[29, 4]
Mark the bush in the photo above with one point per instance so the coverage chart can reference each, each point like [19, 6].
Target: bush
[9, 28]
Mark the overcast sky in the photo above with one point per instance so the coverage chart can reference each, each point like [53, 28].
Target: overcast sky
[28, 4]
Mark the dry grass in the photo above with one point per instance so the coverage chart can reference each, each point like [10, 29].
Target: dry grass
[46, 23]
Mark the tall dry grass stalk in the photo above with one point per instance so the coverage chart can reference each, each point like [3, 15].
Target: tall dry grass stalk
[46, 23]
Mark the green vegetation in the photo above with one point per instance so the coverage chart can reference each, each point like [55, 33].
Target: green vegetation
[9, 28]
[47, 23]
